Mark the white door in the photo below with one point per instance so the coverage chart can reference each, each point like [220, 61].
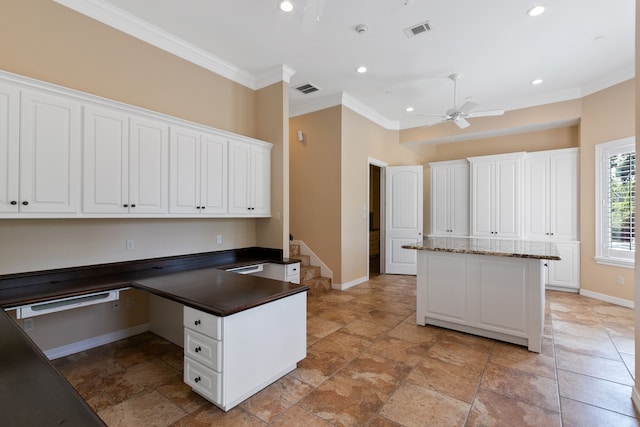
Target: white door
[9, 148]
[403, 219]
[184, 171]
[213, 181]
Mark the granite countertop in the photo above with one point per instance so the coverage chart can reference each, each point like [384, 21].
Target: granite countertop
[493, 247]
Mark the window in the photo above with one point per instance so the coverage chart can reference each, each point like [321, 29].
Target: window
[615, 202]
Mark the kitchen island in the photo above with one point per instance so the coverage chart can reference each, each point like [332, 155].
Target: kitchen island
[488, 287]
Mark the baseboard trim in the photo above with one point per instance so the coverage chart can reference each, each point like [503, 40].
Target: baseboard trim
[607, 298]
[635, 398]
[93, 342]
[345, 286]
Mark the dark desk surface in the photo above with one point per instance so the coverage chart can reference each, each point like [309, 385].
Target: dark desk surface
[34, 393]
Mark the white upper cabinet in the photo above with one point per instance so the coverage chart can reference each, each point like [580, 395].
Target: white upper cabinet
[198, 173]
[496, 195]
[450, 198]
[125, 163]
[551, 203]
[50, 163]
[9, 148]
[249, 178]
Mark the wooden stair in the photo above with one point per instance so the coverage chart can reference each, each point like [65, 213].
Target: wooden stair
[310, 274]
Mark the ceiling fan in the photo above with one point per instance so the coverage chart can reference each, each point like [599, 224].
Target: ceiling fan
[459, 115]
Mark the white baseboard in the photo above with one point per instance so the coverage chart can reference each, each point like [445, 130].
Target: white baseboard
[607, 298]
[79, 346]
[635, 398]
[345, 286]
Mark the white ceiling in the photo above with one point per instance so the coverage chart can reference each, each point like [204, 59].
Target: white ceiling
[576, 46]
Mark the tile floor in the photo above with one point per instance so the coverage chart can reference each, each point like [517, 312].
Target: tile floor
[368, 364]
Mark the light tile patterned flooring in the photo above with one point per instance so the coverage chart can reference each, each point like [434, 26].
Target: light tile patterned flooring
[368, 364]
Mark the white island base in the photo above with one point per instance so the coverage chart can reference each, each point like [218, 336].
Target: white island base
[498, 297]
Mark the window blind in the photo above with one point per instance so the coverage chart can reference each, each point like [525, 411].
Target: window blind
[621, 201]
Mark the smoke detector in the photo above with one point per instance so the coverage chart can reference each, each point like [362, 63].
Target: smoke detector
[361, 28]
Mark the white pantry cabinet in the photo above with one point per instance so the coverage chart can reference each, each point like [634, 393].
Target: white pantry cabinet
[551, 203]
[496, 195]
[50, 163]
[249, 178]
[198, 172]
[9, 148]
[450, 198]
[125, 163]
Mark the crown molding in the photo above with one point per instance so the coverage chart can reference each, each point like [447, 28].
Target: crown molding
[282, 73]
[609, 80]
[369, 113]
[117, 18]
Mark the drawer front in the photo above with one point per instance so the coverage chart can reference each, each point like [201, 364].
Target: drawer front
[293, 269]
[203, 349]
[203, 380]
[202, 322]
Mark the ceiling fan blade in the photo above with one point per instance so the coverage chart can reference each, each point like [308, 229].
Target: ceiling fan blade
[486, 113]
[443, 116]
[467, 106]
[312, 13]
[461, 123]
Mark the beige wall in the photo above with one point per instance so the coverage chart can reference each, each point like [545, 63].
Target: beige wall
[606, 116]
[637, 276]
[43, 40]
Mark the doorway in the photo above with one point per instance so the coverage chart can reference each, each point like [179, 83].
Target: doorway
[375, 187]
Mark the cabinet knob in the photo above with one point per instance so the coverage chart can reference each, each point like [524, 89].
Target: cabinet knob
[197, 379]
[197, 322]
[13, 202]
[133, 205]
[551, 234]
[198, 207]
[202, 207]
[25, 203]
[126, 205]
[198, 349]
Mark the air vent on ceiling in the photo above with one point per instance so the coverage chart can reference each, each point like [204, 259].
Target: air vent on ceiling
[307, 88]
[414, 30]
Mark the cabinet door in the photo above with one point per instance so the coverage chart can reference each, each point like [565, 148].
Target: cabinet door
[563, 195]
[239, 166]
[9, 148]
[213, 176]
[148, 166]
[537, 197]
[49, 153]
[482, 199]
[184, 191]
[260, 181]
[566, 272]
[459, 200]
[439, 200]
[507, 201]
[106, 159]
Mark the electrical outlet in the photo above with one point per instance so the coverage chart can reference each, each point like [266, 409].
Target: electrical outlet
[29, 325]
[219, 239]
[116, 306]
[620, 280]
[131, 302]
[130, 245]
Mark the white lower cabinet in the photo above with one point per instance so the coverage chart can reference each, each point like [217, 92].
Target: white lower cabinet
[565, 274]
[228, 359]
[286, 272]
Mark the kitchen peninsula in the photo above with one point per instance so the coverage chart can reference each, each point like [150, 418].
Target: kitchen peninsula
[488, 287]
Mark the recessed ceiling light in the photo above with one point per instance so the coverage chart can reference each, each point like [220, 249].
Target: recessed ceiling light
[361, 69]
[409, 109]
[536, 10]
[536, 81]
[285, 5]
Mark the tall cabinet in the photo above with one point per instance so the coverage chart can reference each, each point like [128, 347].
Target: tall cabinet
[551, 210]
[450, 198]
[496, 195]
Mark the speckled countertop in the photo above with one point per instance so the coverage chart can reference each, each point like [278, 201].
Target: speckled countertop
[494, 247]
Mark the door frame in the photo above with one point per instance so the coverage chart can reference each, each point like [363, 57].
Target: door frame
[382, 165]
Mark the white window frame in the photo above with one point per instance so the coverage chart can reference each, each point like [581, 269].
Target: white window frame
[605, 255]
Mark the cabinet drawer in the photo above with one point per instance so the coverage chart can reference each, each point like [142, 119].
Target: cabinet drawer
[203, 349]
[293, 269]
[203, 380]
[202, 322]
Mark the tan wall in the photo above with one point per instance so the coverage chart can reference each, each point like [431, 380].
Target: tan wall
[637, 277]
[314, 187]
[46, 41]
[606, 116]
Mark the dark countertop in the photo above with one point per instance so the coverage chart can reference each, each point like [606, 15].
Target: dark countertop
[34, 393]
